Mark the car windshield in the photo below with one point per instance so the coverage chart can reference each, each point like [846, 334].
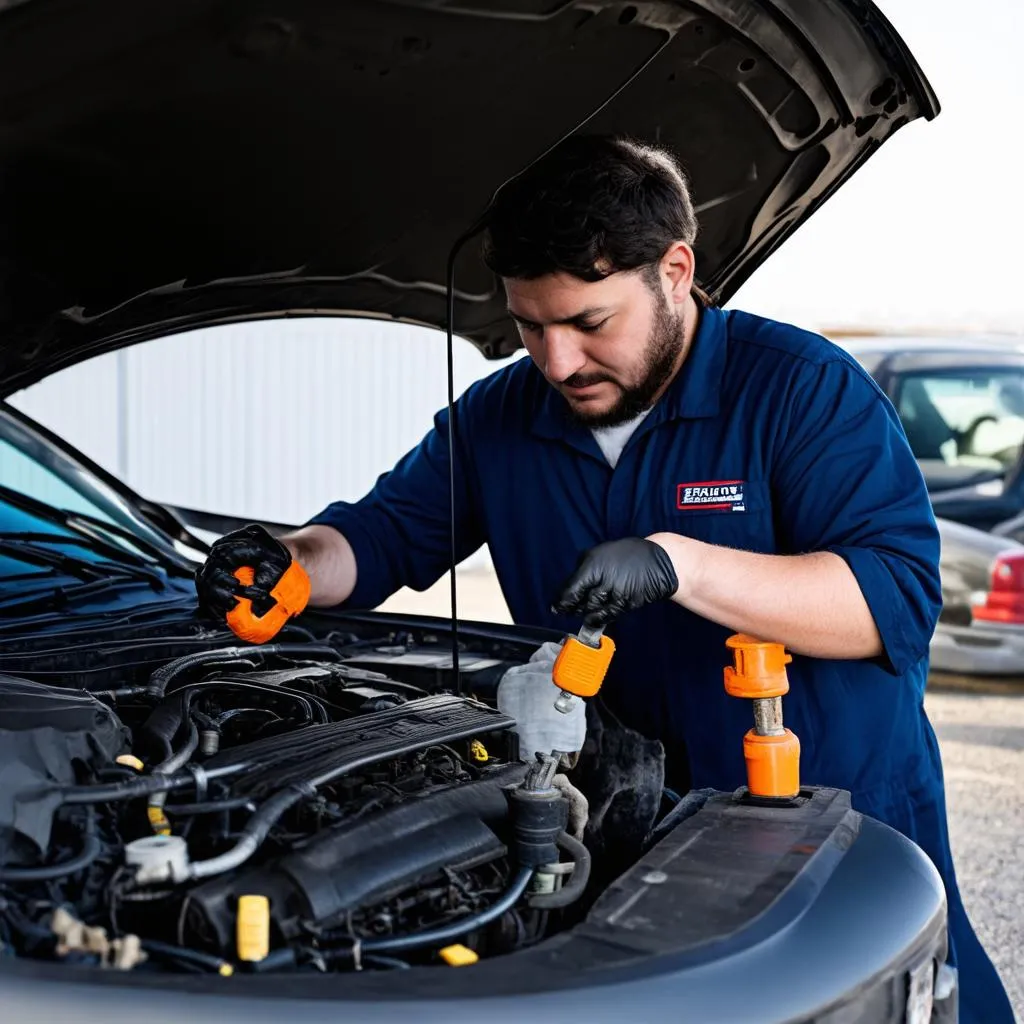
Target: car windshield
[57, 521]
[969, 418]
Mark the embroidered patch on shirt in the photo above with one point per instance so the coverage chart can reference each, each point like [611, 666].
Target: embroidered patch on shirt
[726, 495]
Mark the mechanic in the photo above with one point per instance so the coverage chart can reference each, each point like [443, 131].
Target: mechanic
[680, 472]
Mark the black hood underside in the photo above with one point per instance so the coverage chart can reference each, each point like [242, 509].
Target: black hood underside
[175, 166]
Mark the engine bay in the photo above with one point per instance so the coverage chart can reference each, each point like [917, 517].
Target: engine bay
[172, 801]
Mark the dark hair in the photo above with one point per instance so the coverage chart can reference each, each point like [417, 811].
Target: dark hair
[593, 206]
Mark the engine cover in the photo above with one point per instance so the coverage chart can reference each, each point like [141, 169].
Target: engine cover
[340, 747]
[348, 867]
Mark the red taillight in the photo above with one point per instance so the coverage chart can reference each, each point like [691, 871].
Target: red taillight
[1004, 601]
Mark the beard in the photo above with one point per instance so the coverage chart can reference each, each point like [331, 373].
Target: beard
[664, 346]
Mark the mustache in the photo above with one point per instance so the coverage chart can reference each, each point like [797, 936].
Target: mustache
[582, 380]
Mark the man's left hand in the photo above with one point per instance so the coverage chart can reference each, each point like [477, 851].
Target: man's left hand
[618, 577]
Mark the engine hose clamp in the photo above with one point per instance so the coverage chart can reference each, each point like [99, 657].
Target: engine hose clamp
[202, 781]
[563, 867]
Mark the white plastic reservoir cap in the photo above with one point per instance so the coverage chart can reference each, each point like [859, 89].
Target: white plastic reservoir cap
[158, 858]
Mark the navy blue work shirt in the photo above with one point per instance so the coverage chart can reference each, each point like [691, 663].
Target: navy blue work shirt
[769, 439]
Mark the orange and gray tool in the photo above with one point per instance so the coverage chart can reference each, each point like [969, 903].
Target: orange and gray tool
[581, 666]
[290, 596]
[772, 752]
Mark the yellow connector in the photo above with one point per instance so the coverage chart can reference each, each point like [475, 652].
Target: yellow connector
[479, 751]
[459, 955]
[252, 928]
[131, 761]
[158, 820]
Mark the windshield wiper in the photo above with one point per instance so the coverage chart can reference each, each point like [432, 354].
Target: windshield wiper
[83, 526]
[35, 549]
[40, 609]
[58, 597]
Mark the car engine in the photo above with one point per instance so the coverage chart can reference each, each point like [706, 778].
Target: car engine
[172, 801]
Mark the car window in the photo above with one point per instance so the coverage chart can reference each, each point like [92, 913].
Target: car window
[22, 473]
[25, 474]
[968, 417]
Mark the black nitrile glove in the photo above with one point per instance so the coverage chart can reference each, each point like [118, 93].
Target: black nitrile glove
[216, 585]
[617, 577]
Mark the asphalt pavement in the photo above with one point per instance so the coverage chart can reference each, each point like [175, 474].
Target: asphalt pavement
[981, 736]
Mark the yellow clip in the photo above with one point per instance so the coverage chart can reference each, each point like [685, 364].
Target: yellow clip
[158, 820]
[252, 927]
[479, 751]
[131, 761]
[225, 970]
[458, 955]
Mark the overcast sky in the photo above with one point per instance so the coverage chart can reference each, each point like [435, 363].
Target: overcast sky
[928, 232]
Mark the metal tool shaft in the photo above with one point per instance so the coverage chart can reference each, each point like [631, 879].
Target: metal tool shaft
[768, 716]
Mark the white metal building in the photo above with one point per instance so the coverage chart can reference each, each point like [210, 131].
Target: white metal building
[271, 420]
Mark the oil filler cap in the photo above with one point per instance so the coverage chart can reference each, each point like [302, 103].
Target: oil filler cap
[253, 928]
[459, 955]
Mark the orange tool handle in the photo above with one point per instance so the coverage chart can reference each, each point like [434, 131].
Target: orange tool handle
[290, 595]
[758, 670]
[773, 764]
[580, 669]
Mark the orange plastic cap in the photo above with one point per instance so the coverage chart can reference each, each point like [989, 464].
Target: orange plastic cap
[291, 594]
[580, 669]
[773, 764]
[758, 669]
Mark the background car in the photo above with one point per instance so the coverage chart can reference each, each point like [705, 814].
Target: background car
[961, 403]
[980, 631]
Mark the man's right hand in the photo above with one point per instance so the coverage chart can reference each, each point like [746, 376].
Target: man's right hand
[253, 546]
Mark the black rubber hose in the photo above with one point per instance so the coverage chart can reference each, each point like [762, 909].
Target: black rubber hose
[169, 671]
[144, 786]
[166, 719]
[192, 956]
[162, 725]
[91, 848]
[249, 657]
[452, 931]
[393, 963]
[234, 803]
[276, 960]
[254, 832]
[370, 959]
[573, 889]
[121, 694]
[307, 702]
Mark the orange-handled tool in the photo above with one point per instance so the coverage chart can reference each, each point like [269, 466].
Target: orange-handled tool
[581, 666]
[771, 751]
[290, 594]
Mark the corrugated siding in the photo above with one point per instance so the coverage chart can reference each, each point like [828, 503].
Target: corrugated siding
[271, 420]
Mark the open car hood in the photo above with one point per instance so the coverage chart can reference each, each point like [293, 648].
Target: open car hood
[168, 167]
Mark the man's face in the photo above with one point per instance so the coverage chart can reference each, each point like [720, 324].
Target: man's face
[608, 347]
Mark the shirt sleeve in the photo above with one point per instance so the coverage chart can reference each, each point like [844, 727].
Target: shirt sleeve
[400, 531]
[846, 481]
